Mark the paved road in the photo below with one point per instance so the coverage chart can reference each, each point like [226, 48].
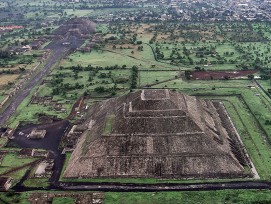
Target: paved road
[166, 187]
[21, 95]
[118, 187]
[58, 51]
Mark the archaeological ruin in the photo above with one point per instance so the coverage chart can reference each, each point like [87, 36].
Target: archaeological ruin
[79, 27]
[158, 134]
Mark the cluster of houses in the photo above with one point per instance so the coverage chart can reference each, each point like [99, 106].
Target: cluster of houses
[35, 45]
[9, 28]
[189, 10]
[48, 101]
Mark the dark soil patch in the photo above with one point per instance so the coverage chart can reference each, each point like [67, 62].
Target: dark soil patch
[54, 132]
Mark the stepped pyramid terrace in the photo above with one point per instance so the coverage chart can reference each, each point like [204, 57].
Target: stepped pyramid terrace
[158, 134]
[77, 26]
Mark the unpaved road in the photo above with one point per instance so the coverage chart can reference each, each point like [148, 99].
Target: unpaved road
[58, 51]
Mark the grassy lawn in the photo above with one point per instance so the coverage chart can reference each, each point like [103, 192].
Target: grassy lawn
[63, 200]
[100, 58]
[33, 181]
[266, 84]
[3, 141]
[36, 182]
[78, 13]
[197, 197]
[194, 197]
[11, 160]
[67, 158]
[167, 48]
[12, 197]
[199, 86]
[147, 77]
[17, 175]
[251, 134]
[109, 124]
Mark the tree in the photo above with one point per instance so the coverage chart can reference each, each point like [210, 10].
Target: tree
[264, 76]
[134, 77]
[198, 68]
[100, 89]
[250, 76]
[187, 74]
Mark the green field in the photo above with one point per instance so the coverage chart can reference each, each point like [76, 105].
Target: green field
[202, 197]
[100, 58]
[10, 162]
[147, 77]
[58, 200]
[196, 197]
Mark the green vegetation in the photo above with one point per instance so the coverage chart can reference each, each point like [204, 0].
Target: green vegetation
[100, 58]
[147, 77]
[63, 200]
[251, 134]
[36, 182]
[33, 181]
[3, 141]
[203, 197]
[12, 165]
[13, 197]
[11, 161]
[195, 197]
[67, 158]
[109, 124]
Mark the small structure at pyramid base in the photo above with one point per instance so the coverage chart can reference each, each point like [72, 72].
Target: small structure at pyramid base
[37, 134]
[5, 183]
[158, 134]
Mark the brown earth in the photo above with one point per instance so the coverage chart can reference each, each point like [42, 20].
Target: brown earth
[4, 79]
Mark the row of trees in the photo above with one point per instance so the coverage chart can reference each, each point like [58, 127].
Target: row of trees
[134, 77]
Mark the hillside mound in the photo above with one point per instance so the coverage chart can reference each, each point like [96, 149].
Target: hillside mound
[158, 134]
